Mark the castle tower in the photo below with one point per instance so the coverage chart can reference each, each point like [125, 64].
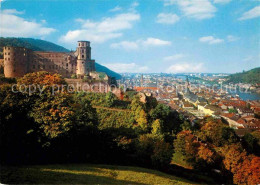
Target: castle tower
[15, 61]
[84, 63]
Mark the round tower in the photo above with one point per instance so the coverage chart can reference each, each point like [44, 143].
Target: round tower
[15, 61]
[84, 55]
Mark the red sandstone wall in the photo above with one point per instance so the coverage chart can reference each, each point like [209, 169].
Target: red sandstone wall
[15, 61]
[54, 62]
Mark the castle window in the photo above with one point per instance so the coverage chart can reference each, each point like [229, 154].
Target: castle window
[56, 66]
[43, 66]
[8, 48]
[49, 67]
[8, 53]
[67, 65]
[79, 44]
[39, 66]
[33, 66]
[8, 59]
[24, 54]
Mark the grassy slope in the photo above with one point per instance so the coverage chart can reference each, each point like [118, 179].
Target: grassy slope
[86, 174]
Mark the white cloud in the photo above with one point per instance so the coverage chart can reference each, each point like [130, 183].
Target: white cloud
[173, 57]
[43, 21]
[101, 31]
[134, 45]
[12, 11]
[167, 18]
[133, 6]
[253, 13]
[14, 26]
[127, 45]
[197, 9]
[222, 1]
[231, 38]
[126, 67]
[185, 68]
[155, 42]
[211, 40]
[169, 2]
[117, 8]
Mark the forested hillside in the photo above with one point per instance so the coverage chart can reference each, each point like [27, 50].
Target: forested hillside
[30, 43]
[41, 45]
[252, 76]
[99, 128]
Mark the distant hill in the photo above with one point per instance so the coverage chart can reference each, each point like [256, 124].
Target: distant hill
[41, 45]
[33, 44]
[252, 76]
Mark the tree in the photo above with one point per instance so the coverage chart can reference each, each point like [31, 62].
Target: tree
[169, 118]
[216, 132]
[41, 78]
[185, 149]
[54, 114]
[233, 156]
[157, 127]
[142, 120]
[248, 171]
[206, 154]
[152, 149]
[162, 154]
[251, 142]
[110, 98]
[84, 113]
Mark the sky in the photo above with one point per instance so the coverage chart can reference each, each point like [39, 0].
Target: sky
[146, 36]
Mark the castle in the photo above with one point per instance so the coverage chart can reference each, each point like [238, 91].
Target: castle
[19, 61]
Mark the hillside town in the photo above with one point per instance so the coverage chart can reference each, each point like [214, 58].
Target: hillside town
[195, 99]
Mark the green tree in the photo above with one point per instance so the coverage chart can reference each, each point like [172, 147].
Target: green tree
[185, 149]
[142, 120]
[169, 119]
[110, 99]
[157, 127]
[251, 141]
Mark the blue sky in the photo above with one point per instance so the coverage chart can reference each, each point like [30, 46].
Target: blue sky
[146, 35]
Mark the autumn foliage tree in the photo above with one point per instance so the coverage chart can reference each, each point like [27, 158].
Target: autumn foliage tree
[215, 132]
[245, 168]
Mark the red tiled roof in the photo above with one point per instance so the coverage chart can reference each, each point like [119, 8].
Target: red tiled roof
[228, 115]
[241, 121]
[145, 88]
